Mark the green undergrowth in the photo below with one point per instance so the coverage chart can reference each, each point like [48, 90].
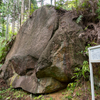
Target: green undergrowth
[80, 91]
[5, 46]
[9, 93]
[19, 94]
[74, 91]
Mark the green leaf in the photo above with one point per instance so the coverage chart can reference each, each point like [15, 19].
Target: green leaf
[79, 19]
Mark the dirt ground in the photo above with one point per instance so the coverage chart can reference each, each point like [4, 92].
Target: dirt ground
[72, 92]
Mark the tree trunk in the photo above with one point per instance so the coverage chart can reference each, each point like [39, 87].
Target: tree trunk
[42, 3]
[18, 21]
[13, 19]
[0, 2]
[55, 2]
[29, 6]
[13, 25]
[51, 2]
[7, 22]
[3, 28]
[22, 12]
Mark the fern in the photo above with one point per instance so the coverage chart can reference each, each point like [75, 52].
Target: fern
[81, 71]
[85, 68]
[79, 18]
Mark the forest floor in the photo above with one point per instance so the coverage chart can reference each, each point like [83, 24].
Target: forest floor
[73, 91]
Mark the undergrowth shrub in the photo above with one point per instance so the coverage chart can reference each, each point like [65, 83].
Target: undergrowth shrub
[5, 46]
[89, 9]
[67, 4]
[82, 71]
[60, 4]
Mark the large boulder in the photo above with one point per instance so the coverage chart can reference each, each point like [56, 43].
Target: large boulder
[45, 52]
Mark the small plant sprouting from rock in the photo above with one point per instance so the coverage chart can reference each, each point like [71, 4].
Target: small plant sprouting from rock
[79, 18]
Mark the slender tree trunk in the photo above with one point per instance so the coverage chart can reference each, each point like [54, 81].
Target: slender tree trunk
[29, 6]
[13, 25]
[13, 19]
[18, 21]
[2, 25]
[3, 28]
[22, 12]
[51, 2]
[42, 3]
[3, 21]
[7, 28]
[55, 2]
[0, 2]
[67, 4]
[7, 22]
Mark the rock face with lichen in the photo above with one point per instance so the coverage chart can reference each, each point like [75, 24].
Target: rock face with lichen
[45, 52]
